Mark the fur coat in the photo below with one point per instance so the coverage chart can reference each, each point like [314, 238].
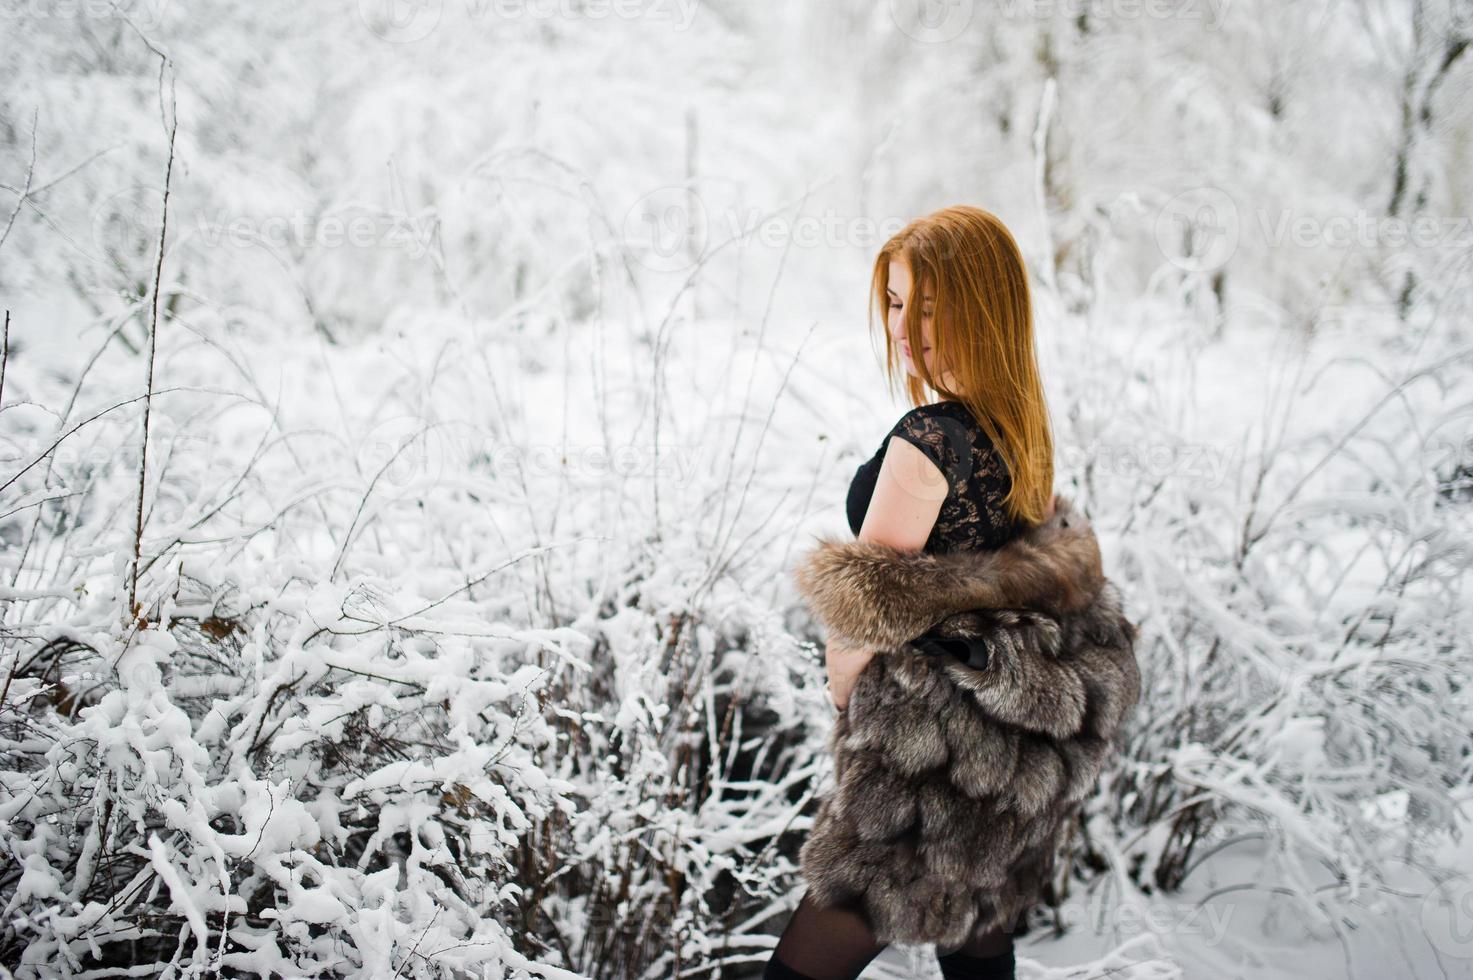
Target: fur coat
[953, 784]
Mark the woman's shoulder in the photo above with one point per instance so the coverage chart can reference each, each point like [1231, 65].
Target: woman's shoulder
[944, 434]
[948, 424]
[922, 414]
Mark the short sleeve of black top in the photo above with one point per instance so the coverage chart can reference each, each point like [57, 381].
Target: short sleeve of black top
[972, 515]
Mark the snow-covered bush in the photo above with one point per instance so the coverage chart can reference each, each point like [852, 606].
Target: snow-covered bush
[1303, 599]
[313, 753]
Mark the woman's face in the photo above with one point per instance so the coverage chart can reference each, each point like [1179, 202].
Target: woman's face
[899, 296]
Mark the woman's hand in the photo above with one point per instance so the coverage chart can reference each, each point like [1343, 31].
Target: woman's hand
[845, 664]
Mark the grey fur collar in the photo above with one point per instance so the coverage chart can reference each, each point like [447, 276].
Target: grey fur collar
[876, 596]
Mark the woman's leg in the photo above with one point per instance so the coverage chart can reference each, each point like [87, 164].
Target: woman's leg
[984, 956]
[819, 943]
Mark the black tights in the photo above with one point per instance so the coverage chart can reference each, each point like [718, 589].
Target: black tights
[837, 944]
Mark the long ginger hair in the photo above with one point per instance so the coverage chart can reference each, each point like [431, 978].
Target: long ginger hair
[982, 325]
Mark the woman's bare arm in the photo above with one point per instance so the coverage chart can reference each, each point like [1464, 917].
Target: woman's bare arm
[908, 495]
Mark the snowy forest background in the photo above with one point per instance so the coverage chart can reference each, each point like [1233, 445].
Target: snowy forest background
[501, 355]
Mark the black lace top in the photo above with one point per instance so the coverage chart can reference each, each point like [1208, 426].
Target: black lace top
[972, 515]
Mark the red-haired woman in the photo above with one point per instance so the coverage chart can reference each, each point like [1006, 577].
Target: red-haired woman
[954, 775]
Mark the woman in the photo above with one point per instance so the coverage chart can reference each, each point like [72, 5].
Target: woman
[1007, 665]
